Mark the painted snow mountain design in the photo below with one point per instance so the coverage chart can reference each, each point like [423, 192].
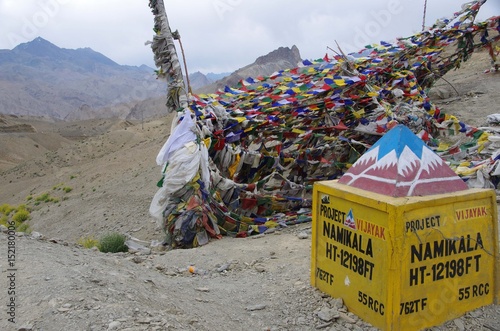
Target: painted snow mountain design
[401, 165]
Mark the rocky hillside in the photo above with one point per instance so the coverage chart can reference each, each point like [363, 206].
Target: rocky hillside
[279, 59]
[40, 79]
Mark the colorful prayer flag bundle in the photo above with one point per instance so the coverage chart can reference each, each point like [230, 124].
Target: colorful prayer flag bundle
[245, 159]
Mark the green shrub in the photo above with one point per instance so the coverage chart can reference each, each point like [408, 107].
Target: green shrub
[112, 243]
[22, 207]
[29, 198]
[16, 216]
[6, 209]
[23, 227]
[45, 197]
[21, 216]
[4, 220]
[67, 189]
[88, 242]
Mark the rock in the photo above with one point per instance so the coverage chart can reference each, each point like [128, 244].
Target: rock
[439, 93]
[138, 259]
[259, 267]
[356, 327]
[323, 325]
[347, 318]
[256, 307]
[303, 235]
[157, 246]
[301, 320]
[114, 325]
[160, 267]
[327, 314]
[224, 267]
[147, 251]
[26, 327]
[459, 323]
[4, 229]
[475, 313]
[337, 303]
[171, 273]
[36, 235]
[202, 289]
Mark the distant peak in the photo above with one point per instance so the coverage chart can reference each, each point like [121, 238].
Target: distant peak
[40, 40]
[36, 45]
[283, 53]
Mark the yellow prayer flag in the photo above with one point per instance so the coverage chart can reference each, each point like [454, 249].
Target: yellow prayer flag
[298, 131]
[234, 166]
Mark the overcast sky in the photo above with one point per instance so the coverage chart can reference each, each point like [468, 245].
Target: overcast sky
[220, 35]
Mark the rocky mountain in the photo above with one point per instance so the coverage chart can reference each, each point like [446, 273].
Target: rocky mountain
[215, 77]
[40, 79]
[198, 80]
[279, 59]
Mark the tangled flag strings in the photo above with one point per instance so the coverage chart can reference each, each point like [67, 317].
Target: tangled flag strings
[244, 160]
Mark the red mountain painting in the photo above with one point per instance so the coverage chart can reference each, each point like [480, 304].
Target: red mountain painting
[401, 165]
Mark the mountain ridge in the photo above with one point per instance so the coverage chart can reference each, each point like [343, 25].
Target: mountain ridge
[41, 79]
[276, 60]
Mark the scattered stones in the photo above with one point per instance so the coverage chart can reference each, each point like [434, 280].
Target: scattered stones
[327, 314]
[302, 235]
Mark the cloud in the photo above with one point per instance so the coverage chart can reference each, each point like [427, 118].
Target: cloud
[219, 35]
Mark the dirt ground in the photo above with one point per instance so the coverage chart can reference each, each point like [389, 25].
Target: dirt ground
[256, 283]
